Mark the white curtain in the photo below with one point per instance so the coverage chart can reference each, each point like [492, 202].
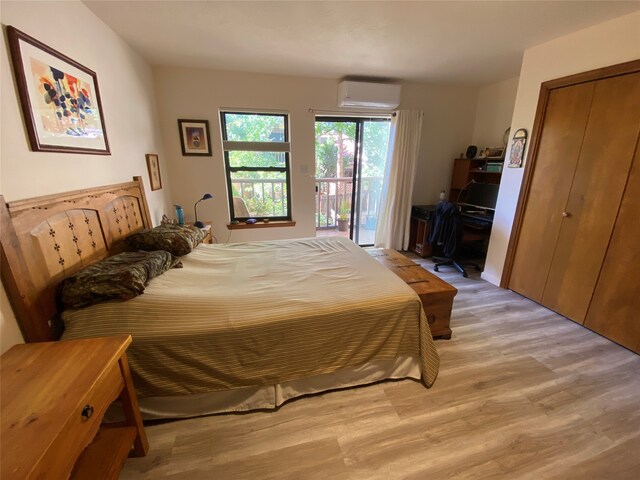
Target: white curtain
[394, 219]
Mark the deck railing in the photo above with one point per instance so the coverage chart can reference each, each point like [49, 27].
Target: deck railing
[335, 194]
[267, 197]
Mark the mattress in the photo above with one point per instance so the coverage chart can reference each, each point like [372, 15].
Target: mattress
[258, 314]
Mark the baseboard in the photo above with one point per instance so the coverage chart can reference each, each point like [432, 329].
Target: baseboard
[490, 278]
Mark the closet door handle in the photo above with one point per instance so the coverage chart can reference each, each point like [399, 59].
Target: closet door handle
[566, 214]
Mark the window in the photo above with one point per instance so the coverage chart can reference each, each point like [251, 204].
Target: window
[256, 156]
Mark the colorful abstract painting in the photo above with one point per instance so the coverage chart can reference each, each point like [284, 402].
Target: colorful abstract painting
[60, 98]
[66, 106]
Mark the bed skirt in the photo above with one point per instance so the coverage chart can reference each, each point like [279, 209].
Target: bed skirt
[272, 396]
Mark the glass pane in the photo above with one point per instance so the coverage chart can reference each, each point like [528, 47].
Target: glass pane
[375, 142]
[256, 159]
[259, 194]
[335, 150]
[248, 127]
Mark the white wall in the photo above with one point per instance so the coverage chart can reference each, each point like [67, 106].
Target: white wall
[449, 113]
[128, 101]
[198, 94]
[608, 43]
[494, 111]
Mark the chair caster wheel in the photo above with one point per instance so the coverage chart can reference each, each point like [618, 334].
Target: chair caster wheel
[435, 269]
[465, 274]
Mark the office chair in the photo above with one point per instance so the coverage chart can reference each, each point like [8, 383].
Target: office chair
[446, 232]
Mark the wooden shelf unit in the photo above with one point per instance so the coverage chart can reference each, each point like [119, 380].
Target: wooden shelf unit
[467, 169]
[419, 236]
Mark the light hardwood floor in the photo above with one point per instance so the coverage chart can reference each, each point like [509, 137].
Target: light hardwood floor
[522, 393]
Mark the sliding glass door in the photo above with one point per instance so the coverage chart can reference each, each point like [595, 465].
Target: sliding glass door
[350, 163]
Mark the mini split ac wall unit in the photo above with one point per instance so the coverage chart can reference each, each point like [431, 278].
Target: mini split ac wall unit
[368, 95]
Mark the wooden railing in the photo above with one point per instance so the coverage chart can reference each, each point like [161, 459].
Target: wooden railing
[333, 195]
[263, 197]
[267, 197]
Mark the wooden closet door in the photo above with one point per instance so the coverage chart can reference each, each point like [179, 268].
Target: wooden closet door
[615, 307]
[598, 185]
[563, 129]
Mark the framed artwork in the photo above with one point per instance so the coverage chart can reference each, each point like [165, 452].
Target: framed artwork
[153, 165]
[194, 137]
[517, 148]
[60, 98]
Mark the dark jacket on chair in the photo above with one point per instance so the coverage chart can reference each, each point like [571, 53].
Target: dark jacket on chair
[446, 229]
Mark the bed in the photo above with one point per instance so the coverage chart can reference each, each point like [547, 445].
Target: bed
[239, 327]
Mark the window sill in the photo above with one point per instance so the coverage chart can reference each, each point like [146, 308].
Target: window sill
[261, 224]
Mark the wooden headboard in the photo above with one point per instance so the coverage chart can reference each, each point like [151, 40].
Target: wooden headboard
[49, 238]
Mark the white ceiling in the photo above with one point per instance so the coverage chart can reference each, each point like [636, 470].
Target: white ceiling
[426, 41]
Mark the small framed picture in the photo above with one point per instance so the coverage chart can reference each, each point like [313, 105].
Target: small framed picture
[153, 165]
[60, 98]
[194, 137]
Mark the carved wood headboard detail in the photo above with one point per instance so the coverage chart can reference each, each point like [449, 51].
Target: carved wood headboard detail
[47, 239]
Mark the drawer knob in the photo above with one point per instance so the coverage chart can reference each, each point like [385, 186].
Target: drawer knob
[431, 318]
[87, 412]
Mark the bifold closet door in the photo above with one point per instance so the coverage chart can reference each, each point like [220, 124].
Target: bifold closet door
[598, 185]
[615, 307]
[564, 124]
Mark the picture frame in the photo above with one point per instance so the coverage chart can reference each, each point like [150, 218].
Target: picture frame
[493, 153]
[195, 139]
[60, 98]
[153, 166]
[517, 148]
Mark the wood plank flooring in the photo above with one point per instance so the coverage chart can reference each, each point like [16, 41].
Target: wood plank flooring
[522, 393]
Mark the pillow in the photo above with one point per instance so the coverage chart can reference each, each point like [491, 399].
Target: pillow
[176, 239]
[122, 276]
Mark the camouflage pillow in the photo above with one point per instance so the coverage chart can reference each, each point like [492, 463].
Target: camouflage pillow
[176, 239]
[122, 276]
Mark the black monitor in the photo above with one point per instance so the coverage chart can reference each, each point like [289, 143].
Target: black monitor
[482, 195]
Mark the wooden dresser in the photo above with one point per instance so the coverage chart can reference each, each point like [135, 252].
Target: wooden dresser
[436, 294]
[54, 396]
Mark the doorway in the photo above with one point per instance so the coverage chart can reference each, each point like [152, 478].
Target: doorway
[351, 154]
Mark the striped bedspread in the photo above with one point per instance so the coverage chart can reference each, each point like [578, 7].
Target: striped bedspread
[262, 313]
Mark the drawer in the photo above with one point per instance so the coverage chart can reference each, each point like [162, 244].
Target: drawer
[78, 432]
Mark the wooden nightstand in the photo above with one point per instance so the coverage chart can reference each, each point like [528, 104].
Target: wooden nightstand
[208, 238]
[54, 396]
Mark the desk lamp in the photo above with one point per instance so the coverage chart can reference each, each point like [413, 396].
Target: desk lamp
[198, 223]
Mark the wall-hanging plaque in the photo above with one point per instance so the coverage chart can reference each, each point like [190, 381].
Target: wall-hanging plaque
[517, 148]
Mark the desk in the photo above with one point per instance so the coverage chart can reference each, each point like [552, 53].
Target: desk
[479, 219]
[477, 227]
